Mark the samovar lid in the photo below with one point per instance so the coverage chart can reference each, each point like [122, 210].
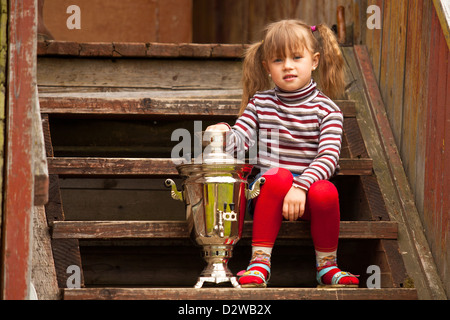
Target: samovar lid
[218, 148]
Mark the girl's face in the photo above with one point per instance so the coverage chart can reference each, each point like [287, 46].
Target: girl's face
[293, 71]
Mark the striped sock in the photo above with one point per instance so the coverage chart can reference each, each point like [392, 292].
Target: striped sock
[260, 262]
[328, 259]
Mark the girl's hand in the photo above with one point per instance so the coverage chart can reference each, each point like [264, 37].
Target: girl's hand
[294, 204]
[218, 127]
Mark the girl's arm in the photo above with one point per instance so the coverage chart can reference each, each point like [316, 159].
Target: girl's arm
[245, 129]
[326, 161]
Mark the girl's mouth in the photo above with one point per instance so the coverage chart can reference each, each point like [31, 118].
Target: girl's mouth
[289, 77]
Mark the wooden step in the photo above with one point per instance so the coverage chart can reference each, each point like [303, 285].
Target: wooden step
[158, 166]
[139, 50]
[90, 74]
[225, 294]
[152, 103]
[179, 230]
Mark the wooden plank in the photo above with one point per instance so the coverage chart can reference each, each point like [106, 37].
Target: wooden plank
[129, 21]
[41, 180]
[416, 72]
[395, 264]
[374, 198]
[4, 17]
[158, 166]
[179, 230]
[18, 173]
[225, 294]
[111, 166]
[153, 106]
[436, 185]
[408, 214]
[139, 50]
[142, 73]
[352, 133]
[393, 62]
[374, 37]
[44, 273]
[66, 252]
[246, 19]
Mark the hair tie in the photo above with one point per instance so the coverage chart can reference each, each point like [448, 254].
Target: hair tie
[313, 28]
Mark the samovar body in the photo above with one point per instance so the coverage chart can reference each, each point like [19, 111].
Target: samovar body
[215, 196]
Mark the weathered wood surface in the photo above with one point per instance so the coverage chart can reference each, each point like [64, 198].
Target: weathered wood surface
[401, 71]
[414, 138]
[375, 230]
[139, 50]
[142, 73]
[19, 167]
[413, 75]
[392, 67]
[41, 179]
[43, 273]
[121, 20]
[398, 185]
[179, 229]
[225, 294]
[159, 166]
[144, 103]
[436, 204]
[241, 21]
[66, 252]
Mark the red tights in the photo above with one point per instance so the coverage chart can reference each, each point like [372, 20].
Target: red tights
[322, 209]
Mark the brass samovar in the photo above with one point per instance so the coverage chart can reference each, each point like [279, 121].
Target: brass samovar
[215, 192]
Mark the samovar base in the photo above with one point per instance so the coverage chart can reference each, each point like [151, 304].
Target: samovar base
[217, 270]
[202, 280]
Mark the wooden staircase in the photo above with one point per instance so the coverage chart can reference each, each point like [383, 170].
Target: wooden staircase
[108, 112]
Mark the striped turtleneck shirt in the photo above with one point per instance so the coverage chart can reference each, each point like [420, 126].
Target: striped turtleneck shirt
[300, 131]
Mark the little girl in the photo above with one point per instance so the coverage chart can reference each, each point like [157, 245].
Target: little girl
[309, 128]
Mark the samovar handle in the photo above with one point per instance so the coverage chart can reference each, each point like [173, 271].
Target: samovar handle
[254, 191]
[177, 195]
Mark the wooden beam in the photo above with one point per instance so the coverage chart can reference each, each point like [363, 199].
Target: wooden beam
[179, 230]
[66, 252]
[138, 105]
[410, 225]
[225, 294]
[19, 184]
[44, 272]
[158, 166]
[140, 50]
[41, 179]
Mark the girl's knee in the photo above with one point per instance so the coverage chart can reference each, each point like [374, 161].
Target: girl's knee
[278, 181]
[323, 191]
[323, 201]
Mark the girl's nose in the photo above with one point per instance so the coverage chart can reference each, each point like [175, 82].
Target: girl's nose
[287, 63]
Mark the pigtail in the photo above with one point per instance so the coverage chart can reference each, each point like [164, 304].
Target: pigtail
[254, 76]
[331, 65]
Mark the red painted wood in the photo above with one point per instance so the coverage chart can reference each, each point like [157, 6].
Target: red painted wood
[18, 198]
[437, 171]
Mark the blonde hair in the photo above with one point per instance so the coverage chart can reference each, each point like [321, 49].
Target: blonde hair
[287, 36]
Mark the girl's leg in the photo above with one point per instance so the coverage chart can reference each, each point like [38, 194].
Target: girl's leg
[266, 224]
[322, 209]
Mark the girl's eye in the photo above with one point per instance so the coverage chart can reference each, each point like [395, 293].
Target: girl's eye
[297, 57]
[277, 60]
